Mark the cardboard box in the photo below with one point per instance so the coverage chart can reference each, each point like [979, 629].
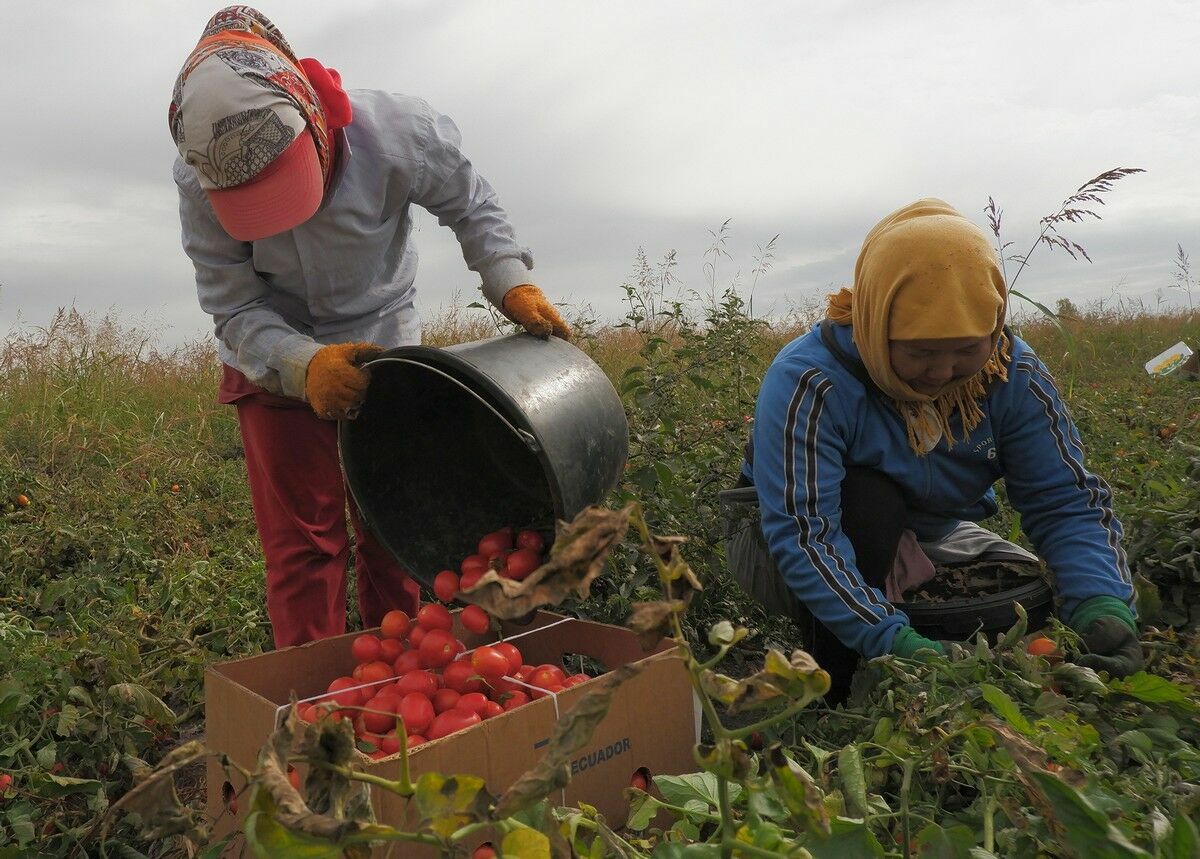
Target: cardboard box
[653, 722]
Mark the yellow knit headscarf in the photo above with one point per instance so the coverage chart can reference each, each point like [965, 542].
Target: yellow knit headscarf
[926, 272]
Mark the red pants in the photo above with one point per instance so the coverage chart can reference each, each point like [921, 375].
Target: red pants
[300, 502]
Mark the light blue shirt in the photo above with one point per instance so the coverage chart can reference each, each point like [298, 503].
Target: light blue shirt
[347, 273]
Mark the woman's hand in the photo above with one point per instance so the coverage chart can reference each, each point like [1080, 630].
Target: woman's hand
[1112, 647]
[528, 307]
[335, 383]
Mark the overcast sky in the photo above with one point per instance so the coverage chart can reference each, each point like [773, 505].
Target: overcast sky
[610, 126]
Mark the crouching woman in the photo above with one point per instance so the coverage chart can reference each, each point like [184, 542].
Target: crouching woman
[893, 419]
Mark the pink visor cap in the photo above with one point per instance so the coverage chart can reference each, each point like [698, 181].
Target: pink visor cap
[248, 142]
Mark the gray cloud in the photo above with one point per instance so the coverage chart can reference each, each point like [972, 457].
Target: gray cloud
[609, 127]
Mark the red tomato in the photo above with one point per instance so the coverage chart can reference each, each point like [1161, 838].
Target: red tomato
[472, 564]
[451, 721]
[489, 663]
[491, 708]
[293, 777]
[531, 540]
[344, 695]
[515, 700]
[434, 616]
[474, 701]
[437, 648]
[511, 653]
[366, 648]
[496, 542]
[445, 699]
[640, 779]
[521, 563]
[357, 672]
[390, 742]
[383, 720]
[461, 676]
[416, 740]
[475, 619]
[395, 624]
[547, 675]
[445, 585]
[484, 851]
[390, 649]
[373, 672]
[389, 701]
[6, 781]
[415, 635]
[575, 680]
[417, 681]
[468, 580]
[417, 712]
[409, 660]
[542, 692]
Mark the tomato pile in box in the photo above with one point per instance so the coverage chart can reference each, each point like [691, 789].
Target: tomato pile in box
[416, 671]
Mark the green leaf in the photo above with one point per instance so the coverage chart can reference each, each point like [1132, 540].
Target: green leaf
[1085, 828]
[937, 843]
[1005, 707]
[672, 850]
[144, 702]
[1077, 678]
[854, 782]
[269, 840]
[22, 827]
[47, 755]
[1012, 637]
[800, 795]
[1183, 842]
[702, 787]
[1152, 689]
[217, 848]
[58, 785]
[68, 720]
[642, 809]
[526, 843]
[11, 698]
[848, 839]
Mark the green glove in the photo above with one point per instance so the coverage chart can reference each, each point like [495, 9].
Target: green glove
[908, 641]
[1109, 633]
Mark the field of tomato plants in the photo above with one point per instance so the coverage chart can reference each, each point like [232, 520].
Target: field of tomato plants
[129, 562]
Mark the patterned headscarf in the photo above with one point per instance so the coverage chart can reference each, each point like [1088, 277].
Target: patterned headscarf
[926, 272]
[238, 146]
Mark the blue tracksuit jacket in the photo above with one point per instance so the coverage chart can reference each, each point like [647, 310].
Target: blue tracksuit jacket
[814, 417]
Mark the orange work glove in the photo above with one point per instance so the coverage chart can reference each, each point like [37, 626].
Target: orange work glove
[336, 383]
[527, 306]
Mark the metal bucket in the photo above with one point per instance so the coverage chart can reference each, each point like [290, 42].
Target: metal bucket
[453, 443]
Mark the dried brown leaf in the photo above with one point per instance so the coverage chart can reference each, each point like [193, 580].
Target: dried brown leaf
[793, 678]
[154, 800]
[330, 741]
[1029, 757]
[652, 620]
[571, 733]
[576, 558]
